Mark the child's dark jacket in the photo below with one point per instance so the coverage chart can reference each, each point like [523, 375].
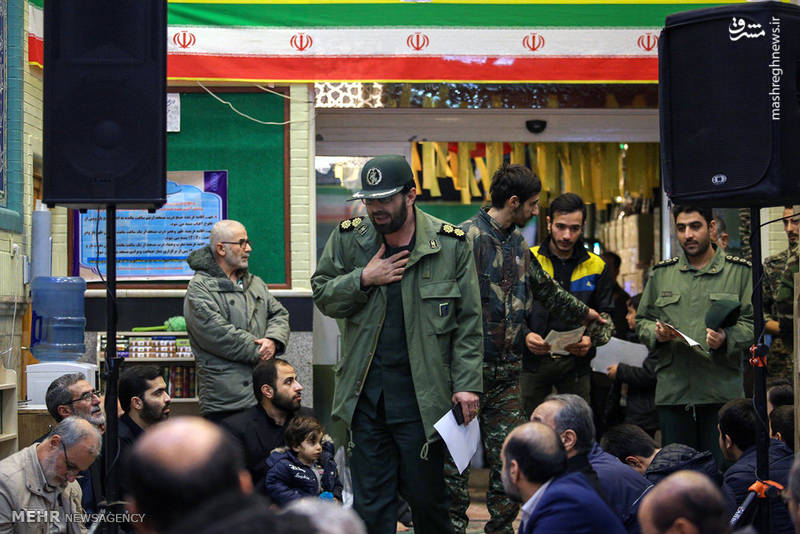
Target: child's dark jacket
[289, 479]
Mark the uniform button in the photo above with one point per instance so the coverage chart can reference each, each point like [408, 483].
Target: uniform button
[231, 301]
[358, 384]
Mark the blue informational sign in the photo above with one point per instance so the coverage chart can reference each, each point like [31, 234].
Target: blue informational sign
[154, 246]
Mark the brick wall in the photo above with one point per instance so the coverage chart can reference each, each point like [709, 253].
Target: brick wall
[302, 185]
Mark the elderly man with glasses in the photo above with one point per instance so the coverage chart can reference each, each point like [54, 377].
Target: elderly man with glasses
[38, 488]
[232, 319]
[68, 395]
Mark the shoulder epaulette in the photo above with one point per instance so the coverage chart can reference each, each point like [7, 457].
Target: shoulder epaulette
[348, 225]
[664, 263]
[452, 231]
[737, 259]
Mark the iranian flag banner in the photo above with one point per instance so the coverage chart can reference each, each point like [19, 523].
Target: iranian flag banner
[567, 41]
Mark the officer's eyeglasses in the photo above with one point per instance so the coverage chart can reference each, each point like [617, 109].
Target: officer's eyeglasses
[89, 395]
[242, 243]
[382, 201]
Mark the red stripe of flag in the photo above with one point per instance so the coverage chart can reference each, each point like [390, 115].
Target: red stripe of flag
[35, 50]
[508, 69]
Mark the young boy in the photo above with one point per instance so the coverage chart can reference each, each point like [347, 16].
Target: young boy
[305, 467]
[641, 381]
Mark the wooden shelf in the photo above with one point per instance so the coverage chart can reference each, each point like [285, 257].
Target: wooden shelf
[7, 437]
[7, 386]
[150, 333]
[183, 406]
[154, 360]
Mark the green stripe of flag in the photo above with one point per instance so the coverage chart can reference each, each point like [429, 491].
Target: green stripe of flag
[425, 15]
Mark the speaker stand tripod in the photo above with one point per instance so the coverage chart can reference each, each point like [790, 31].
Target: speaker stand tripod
[758, 359]
[110, 438]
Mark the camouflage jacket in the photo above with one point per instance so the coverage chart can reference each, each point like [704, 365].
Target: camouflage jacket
[774, 267]
[509, 280]
[784, 298]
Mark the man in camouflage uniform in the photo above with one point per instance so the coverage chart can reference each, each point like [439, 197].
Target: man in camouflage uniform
[778, 317]
[509, 280]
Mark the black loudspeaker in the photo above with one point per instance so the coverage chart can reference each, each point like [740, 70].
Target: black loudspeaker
[730, 106]
[105, 103]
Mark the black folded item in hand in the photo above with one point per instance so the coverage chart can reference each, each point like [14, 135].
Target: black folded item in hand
[458, 413]
[722, 314]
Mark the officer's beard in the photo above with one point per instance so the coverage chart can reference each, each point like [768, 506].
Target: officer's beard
[396, 220]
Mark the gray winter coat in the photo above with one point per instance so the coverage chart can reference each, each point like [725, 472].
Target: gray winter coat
[223, 321]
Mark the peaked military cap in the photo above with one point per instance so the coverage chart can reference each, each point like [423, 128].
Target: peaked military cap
[384, 176]
[723, 314]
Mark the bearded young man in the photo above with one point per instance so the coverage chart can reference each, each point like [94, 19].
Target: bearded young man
[260, 429]
[692, 383]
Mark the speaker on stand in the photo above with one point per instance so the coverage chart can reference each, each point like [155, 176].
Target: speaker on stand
[105, 140]
[729, 109]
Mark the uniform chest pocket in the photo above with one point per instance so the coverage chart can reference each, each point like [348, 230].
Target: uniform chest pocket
[723, 296]
[439, 300]
[667, 300]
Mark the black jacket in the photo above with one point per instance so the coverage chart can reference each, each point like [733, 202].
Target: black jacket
[585, 275]
[677, 457]
[742, 474]
[641, 408]
[288, 479]
[257, 434]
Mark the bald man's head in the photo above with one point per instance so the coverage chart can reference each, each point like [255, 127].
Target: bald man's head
[224, 230]
[532, 454]
[687, 502]
[178, 465]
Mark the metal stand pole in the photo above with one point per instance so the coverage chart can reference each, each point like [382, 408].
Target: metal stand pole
[110, 438]
[759, 371]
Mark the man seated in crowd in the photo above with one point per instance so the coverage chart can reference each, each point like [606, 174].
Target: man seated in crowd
[622, 487]
[259, 430]
[684, 502]
[187, 475]
[635, 447]
[41, 477]
[71, 394]
[779, 393]
[145, 401]
[792, 495]
[535, 473]
[781, 425]
[738, 427]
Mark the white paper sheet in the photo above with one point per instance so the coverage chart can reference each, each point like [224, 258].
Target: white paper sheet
[687, 339]
[559, 340]
[462, 441]
[618, 351]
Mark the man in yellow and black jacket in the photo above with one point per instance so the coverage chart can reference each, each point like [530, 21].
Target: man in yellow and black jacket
[586, 276]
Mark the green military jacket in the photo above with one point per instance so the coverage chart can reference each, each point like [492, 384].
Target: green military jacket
[441, 305]
[679, 294]
[223, 321]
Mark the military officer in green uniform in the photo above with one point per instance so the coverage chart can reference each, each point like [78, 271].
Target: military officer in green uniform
[404, 289]
[777, 316]
[694, 382]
